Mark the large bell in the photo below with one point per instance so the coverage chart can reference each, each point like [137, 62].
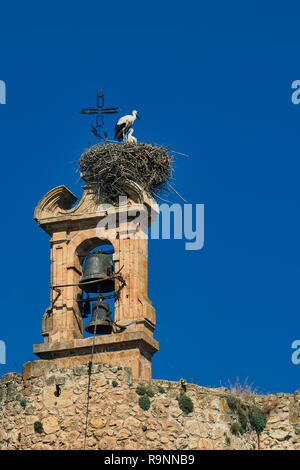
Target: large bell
[101, 322]
[97, 266]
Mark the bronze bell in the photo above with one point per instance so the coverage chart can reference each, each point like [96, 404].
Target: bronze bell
[101, 322]
[97, 266]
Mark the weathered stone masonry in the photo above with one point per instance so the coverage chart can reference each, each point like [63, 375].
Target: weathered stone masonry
[56, 397]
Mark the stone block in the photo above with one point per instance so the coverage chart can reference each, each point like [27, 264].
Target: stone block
[50, 425]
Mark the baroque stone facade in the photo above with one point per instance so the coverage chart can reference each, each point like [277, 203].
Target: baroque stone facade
[45, 408]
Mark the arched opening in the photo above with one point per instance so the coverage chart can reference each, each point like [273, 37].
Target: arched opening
[97, 287]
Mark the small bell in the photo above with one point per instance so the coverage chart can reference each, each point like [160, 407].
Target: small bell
[101, 322]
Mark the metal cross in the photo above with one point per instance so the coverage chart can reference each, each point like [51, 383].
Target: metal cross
[99, 110]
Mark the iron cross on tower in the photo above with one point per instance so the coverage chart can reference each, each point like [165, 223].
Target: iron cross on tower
[99, 110]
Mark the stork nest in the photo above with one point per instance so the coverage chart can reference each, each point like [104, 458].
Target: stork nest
[107, 168]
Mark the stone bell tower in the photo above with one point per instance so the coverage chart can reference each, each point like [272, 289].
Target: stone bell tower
[73, 234]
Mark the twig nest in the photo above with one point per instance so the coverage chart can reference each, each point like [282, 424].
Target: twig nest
[108, 168]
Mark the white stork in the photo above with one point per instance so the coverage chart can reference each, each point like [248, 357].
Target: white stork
[123, 125]
[130, 138]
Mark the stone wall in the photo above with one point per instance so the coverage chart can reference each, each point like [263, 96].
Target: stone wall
[46, 409]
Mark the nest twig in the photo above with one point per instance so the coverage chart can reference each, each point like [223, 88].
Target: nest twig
[107, 168]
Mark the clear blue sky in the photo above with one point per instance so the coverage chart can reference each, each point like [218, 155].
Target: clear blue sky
[211, 79]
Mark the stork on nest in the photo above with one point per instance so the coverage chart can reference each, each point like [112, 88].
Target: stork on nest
[108, 168]
[124, 124]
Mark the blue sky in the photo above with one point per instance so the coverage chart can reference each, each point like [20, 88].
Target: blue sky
[211, 79]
